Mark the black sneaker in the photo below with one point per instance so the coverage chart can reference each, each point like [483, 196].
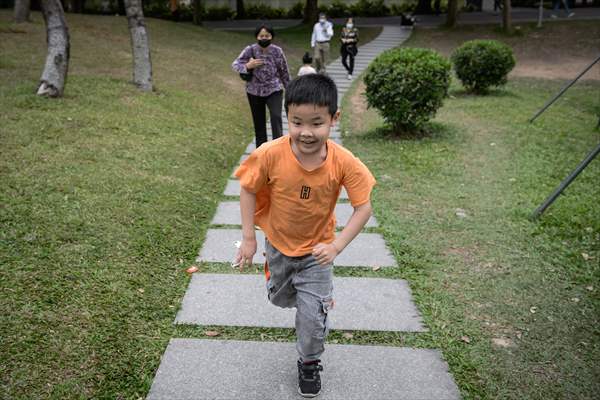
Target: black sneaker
[309, 381]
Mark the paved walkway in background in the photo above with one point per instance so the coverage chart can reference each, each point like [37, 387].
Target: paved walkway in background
[227, 369]
[519, 15]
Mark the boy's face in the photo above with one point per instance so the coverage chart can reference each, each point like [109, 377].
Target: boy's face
[309, 127]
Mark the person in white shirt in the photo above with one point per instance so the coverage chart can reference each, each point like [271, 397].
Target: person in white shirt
[307, 67]
[321, 35]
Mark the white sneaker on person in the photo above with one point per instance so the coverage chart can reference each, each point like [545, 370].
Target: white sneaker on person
[570, 15]
[349, 77]
[553, 16]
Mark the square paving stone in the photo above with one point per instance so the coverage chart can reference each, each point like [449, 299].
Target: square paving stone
[233, 189]
[366, 250]
[198, 369]
[370, 304]
[228, 213]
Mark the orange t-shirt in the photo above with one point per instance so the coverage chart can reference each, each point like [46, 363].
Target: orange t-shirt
[295, 207]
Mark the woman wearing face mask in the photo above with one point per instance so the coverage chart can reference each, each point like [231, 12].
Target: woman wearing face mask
[349, 48]
[270, 76]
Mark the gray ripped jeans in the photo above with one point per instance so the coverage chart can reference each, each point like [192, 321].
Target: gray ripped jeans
[303, 283]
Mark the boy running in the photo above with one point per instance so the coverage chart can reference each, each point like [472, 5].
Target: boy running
[289, 188]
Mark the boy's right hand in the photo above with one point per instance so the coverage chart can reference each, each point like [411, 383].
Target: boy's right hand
[246, 253]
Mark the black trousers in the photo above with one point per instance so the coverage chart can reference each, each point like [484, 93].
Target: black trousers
[345, 55]
[258, 106]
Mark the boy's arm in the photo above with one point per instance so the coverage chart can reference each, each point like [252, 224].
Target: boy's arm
[326, 253]
[248, 247]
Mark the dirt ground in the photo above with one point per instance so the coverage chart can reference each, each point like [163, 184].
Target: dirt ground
[560, 50]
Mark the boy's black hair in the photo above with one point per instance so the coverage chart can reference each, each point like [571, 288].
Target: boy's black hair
[306, 59]
[266, 27]
[316, 89]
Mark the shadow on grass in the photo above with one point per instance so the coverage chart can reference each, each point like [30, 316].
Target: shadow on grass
[497, 92]
[430, 130]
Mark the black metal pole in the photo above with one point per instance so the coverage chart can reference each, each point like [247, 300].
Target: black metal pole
[564, 89]
[563, 185]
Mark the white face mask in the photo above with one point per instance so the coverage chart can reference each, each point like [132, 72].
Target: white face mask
[349, 26]
[322, 21]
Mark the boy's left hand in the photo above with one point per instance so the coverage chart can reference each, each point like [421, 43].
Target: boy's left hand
[324, 253]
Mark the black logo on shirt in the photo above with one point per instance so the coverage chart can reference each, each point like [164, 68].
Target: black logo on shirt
[305, 192]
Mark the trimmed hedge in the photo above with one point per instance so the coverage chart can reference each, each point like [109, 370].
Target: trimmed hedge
[480, 64]
[407, 86]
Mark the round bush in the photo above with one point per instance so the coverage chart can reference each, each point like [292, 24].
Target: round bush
[407, 86]
[480, 64]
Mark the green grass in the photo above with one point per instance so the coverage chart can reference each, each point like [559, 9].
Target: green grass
[107, 194]
[496, 274]
[106, 197]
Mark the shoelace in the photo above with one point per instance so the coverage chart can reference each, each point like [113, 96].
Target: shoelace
[310, 371]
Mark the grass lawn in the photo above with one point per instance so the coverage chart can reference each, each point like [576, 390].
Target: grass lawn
[514, 304]
[106, 196]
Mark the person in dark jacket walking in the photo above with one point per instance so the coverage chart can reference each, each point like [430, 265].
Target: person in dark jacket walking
[349, 49]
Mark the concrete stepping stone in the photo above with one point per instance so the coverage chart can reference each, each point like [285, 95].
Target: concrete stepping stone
[233, 189]
[228, 213]
[371, 304]
[366, 250]
[195, 369]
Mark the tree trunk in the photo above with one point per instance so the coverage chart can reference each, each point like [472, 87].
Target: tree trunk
[142, 67]
[121, 7]
[240, 9]
[22, 8]
[424, 7]
[52, 82]
[452, 15]
[198, 11]
[174, 7]
[311, 11]
[506, 17]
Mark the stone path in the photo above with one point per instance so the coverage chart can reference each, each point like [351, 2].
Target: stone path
[222, 369]
[204, 304]
[194, 369]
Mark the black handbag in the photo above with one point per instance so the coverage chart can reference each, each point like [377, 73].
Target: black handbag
[247, 76]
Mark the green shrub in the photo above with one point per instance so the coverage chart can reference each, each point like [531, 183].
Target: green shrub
[403, 8]
[297, 11]
[407, 86]
[366, 8]
[219, 13]
[264, 11]
[338, 9]
[480, 64]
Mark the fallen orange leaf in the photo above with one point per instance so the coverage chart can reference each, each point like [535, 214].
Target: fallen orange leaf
[192, 269]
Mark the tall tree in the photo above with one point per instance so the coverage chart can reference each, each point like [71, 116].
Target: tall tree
[52, 82]
[174, 7]
[311, 11]
[198, 11]
[506, 17]
[22, 8]
[452, 15]
[240, 9]
[142, 66]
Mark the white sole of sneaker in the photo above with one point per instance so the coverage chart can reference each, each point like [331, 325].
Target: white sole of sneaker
[308, 395]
